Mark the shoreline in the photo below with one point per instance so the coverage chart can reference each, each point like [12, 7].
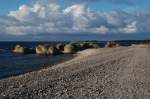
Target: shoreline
[50, 66]
[78, 55]
[93, 73]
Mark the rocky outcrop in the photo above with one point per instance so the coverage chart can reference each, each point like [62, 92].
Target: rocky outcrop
[22, 50]
[87, 45]
[47, 50]
[52, 50]
[84, 46]
[95, 45]
[69, 49]
[60, 46]
[111, 44]
[117, 45]
[41, 49]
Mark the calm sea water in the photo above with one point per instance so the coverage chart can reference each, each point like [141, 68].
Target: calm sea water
[14, 64]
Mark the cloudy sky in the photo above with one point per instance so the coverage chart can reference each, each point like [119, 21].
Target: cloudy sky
[47, 20]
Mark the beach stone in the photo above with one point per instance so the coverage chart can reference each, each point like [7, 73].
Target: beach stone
[23, 50]
[69, 49]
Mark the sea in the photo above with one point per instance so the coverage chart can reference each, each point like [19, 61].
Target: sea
[12, 64]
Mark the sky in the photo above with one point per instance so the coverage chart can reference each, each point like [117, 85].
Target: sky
[49, 20]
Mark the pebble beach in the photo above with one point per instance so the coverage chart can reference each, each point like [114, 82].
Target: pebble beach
[104, 73]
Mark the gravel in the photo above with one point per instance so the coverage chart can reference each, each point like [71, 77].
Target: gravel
[106, 73]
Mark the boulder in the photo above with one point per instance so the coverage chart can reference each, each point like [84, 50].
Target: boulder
[22, 50]
[52, 50]
[80, 46]
[76, 46]
[84, 45]
[47, 50]
[69, 49]
[117, 45]
[60, 47]
[94, 45]
[108, 44]
[111, 44]
[41, 49]
[88, 45]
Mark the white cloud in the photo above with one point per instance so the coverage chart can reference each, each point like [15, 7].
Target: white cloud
[102, 29]
[79, 15]
[115, 2]
[22, 13]
[130, 28]
[51, 19]
[76, 10]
